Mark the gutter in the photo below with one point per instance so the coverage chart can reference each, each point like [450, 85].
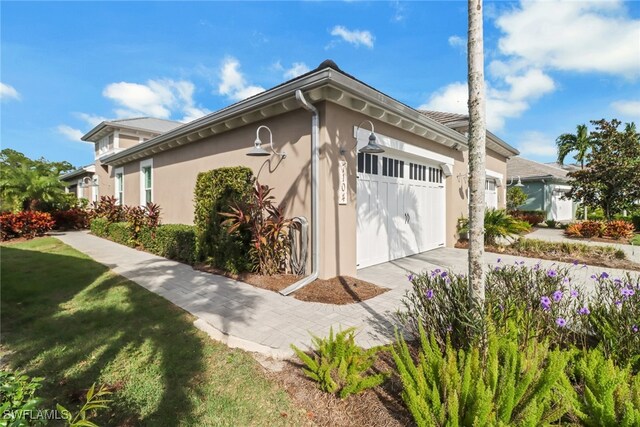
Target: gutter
[315, 199]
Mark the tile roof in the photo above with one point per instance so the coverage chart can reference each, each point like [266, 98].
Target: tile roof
[528, 169]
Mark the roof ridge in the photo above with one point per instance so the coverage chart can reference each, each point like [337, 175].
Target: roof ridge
[142, 118]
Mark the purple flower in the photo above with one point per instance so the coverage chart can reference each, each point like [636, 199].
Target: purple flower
[429, 294]
[584, 311]
[557, 296]
[499, 259]
[545, 302]
[604, 275]
[634, 328]
[594, 277]
[536, 267]
[574, 293]
[575, 262]
[552, 273]
[618, 303]
[521, 262]
[627, 292]
[584, 265]
[443, 274]
[497, 268]
[561, 322]
[437, 270]
[617, 281]
[411, 277]
[566, 280]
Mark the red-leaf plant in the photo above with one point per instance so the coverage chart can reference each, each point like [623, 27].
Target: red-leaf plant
[270, 245]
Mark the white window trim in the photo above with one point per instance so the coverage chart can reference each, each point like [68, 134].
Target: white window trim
[79, 189]
[115, 180]
[145, 164]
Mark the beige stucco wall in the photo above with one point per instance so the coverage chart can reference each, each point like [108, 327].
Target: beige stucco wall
[175, 172]
[126, 141]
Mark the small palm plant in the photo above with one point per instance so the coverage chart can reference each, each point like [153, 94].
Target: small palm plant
[498, 224]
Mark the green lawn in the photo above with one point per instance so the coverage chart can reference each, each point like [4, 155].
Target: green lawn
[636, 240]
[73, 321]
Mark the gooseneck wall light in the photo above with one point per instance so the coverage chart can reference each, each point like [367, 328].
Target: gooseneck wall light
[372, 147]
[257, 149]
[518, 184]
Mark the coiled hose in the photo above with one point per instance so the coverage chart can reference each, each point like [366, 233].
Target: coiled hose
[298, 235]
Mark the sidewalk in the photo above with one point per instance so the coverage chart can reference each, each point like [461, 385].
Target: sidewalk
[239, 314]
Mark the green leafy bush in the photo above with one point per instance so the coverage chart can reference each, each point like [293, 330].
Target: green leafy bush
[270, 244]
[551, 223]
[439, 302]
[120, 232]
[173, 241]
[17, 398]
[606, 394]
[635, 219]
[498, 224]
[340, 366]
[215, 192]
[506, 386]
[515, 198]
[99, 227]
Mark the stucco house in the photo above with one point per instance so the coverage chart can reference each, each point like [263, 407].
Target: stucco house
[545, 185]
[306, 138]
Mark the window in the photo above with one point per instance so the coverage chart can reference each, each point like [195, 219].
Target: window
[119, 188]
[368, 163]
[95, 195]
[146, 182]
[490, 185]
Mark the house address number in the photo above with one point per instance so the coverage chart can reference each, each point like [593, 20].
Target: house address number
[342, 182]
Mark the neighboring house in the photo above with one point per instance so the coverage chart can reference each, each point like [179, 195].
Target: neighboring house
[82, 182]
[368, 207]
[545, 184]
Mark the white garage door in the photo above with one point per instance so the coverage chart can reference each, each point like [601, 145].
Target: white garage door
[561, 209]
[401, 207]
[491, 194]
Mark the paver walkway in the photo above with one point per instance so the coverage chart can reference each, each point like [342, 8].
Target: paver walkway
[263, 321]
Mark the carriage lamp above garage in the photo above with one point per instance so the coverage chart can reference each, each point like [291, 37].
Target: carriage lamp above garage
[257, 149]
[519, 183]
[372, 147]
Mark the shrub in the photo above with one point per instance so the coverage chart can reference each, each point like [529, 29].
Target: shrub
[592, 228]
[120, 232]
[18, 398]
[216, 191]
[551, 223]
[439, 302]
[619, 229]
[109, 209]
[532, 217]
[573, 230]
[173, 241]
[498, 224]
[505, 386]
[340, 366]
[71, 219]
[99, 227]
[635, 219]
[270, 244]
[536, 248]
[596, 215]
[28, 224]
[614, 318]
[609, 395]
[515, 198]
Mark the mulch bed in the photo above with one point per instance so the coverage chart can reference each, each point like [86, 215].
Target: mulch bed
[581, 259]
[380, 406]
[338, 290]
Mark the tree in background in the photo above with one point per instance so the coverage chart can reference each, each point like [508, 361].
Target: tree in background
[25, 182]
[477, 151]
[580, 143]
[611, 176]
[516, 197]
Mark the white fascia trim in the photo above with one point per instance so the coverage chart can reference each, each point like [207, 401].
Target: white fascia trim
[117, 171]
[493, 174]
[362, 137]
[144, 164]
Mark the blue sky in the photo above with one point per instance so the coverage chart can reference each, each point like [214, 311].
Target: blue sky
[549, 65]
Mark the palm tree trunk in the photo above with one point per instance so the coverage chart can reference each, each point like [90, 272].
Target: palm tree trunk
[477, 136]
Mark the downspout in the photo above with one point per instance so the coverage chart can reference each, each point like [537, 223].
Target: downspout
[315, 199]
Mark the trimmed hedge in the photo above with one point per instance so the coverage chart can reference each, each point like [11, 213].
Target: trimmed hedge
[99, 227]
[173, 241]
[120, 232]
[215, 192]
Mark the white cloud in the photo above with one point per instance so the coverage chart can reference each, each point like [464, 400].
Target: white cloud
[70, 133]
[628, 108]
[398, 11]
[91, 119]
[8, 92]
[297, 69]
[573, 36]
[538, 144]
[233, 84]
[457, 41]
[157, 98]
[500, 103]
[355, 37]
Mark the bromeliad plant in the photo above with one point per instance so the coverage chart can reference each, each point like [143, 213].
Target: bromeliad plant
[340, 366]
[270, 244]
[498, 224]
